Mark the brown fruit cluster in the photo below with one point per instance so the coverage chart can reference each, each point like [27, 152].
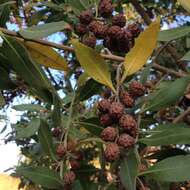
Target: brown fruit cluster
[121, 129]
[105, 8]
[75, 162]
[116, 36]
[69, 178]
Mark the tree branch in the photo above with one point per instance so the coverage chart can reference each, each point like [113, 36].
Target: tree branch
[105, 56]
[141, 11]
[182, 116]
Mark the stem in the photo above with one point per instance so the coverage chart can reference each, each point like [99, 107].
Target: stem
[68, 122]
[182, 116]
[141, 11]
[118, 80]
[141, 184]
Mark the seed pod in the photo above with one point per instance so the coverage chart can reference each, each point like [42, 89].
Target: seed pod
[105, 8]
[90, 41]
[86, 17]
[109, 134]
[61, 150]
[81, 29]
[119, 20]
[129, 124]
[112, 152]
[136, 89]
[104, 105]
[106, 120]
[69, 178]
[126, 141]
[126, 99]
[116, 110]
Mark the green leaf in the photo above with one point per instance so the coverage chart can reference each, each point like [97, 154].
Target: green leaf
[93, 64]
[90, 89]
[167, 95]
[82, 79]
[173, 169]
[43, 30]
[140, 53]
[18, 57]
[173, 34]
[5, 81]
[4, 14]
[28, 131]
[77, 185]
[165, 153]
[79, 5]
[92, 125]
[56, 114]
[168, 134]
[42, 176]
[145, 74]
[29, 107]
[2, 101]
[46, 140]
[186, 57]
[129, 170]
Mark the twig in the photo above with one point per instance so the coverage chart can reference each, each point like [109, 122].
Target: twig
[118, 77]
[181, 116]
[141, 184]
[51, 76]
[105, 56]
[160, 50]
[141, 11]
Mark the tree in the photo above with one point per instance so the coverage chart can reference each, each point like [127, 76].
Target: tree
[110, 103]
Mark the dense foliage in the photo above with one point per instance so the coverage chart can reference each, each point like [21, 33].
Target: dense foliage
[107, 91]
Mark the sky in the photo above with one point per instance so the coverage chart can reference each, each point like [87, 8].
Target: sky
[9, 152]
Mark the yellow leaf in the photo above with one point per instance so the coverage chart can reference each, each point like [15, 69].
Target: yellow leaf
[144, 46]
[93, 64]
[185, 4]
[46, 56]
[8, 182]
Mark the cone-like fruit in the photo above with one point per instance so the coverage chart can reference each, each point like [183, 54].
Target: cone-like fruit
[81, 29]
[86, 17]
[90, 41]
[56, 132]
[116, 110]
[119, 20]
[129, 124]
[113, 31]
[105, 8]
[126, 141]
[112, 152]
[75, 164]
[98, 29]
[134, 29]
[136, 89]
[69, 178]
[106, 120]
[104, 105]
[126, 99]
[109, 134]
[61, 150]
